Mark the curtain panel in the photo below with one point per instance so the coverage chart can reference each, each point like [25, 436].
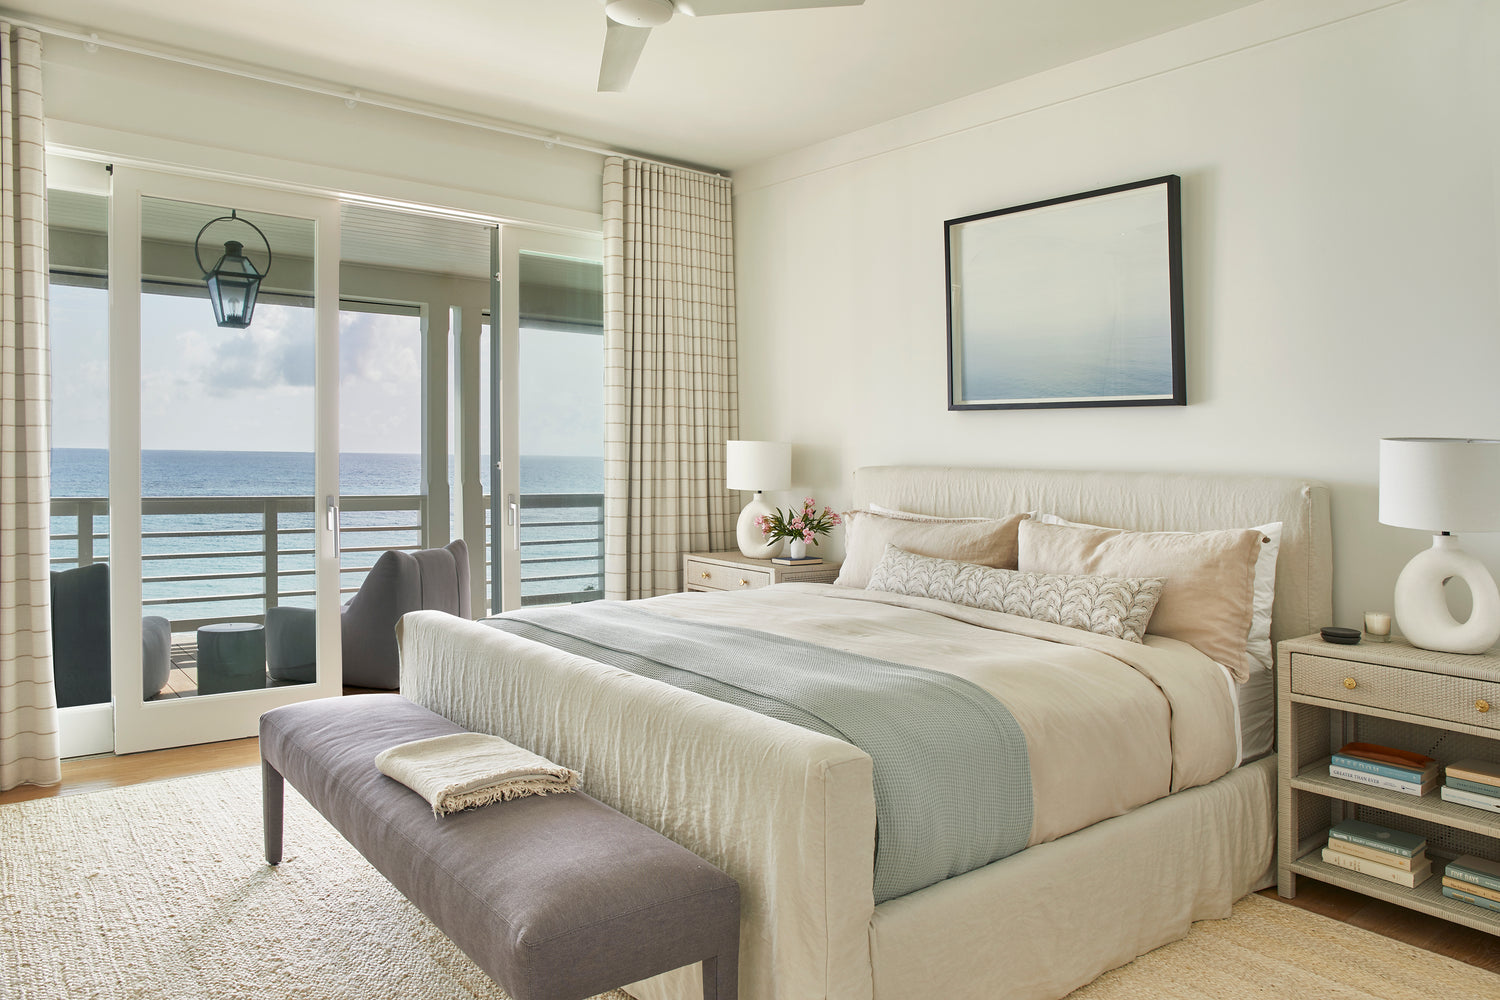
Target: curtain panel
[28, 713]
[670, 381]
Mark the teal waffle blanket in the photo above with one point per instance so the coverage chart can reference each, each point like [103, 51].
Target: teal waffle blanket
[952, 776]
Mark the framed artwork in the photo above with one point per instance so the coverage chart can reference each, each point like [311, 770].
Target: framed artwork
[1074, 301]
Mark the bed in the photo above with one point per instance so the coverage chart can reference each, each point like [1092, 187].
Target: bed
[791, 812]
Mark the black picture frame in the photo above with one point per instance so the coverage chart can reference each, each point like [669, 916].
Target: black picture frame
[1069, 302]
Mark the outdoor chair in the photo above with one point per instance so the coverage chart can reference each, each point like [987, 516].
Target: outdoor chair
[80, 640]
[400, 581]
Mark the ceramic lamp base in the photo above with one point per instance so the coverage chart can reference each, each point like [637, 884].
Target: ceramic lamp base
[1422, 608]
[753, 544]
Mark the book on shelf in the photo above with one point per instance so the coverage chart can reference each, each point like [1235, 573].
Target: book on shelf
[1469, 897]
[1375, 759]
[1477, 890]
[1375, 854]
[805, 561]
[1474, 869]
[1477, 787]
[1483, 771]
[1389, 873]
[1489, 803]
[1381, 838]
[1335, 770]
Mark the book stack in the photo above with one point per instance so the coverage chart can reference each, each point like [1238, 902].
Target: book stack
[1396, 770]
[1474, 783]
[1474, 881]
[1370, 849]
[804, 561]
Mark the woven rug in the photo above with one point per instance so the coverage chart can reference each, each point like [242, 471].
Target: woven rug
[159, 890]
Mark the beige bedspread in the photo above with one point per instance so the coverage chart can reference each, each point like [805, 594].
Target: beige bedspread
[790, 813]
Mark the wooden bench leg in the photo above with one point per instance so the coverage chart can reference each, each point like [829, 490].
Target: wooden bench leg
[721, 977]
[272, 796]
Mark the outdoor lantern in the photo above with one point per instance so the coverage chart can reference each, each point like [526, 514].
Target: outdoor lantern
[233, 281]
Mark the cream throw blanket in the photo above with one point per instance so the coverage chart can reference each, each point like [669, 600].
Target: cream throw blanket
[463, 770]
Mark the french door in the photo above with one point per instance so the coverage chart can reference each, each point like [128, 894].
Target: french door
[547, 431]
[223, 477]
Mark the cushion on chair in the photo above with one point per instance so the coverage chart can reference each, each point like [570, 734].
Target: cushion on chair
[156, 655]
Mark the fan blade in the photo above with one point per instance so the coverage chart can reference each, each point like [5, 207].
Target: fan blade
[622, 50]
[707, 8]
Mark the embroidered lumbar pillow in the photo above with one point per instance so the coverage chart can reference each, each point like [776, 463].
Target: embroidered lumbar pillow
[1106, 605]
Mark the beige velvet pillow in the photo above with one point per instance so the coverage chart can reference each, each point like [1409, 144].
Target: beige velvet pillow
[866, 534]
[1209, 595]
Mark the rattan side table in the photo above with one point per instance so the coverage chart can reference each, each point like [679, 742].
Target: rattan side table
[1445, 705]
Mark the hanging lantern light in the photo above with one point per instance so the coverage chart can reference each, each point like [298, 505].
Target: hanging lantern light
[233, 282]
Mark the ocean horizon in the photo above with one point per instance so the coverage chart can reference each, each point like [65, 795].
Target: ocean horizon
[219, 545]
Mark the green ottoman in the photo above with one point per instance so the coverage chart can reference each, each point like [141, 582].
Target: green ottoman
[231, 657]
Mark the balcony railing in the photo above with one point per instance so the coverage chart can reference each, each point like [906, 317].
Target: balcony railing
[220, 559]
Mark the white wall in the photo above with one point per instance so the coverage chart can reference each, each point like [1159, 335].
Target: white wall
[1341, 214]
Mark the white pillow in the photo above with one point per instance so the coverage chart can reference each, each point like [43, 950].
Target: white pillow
[1258, 652]
[907, 515]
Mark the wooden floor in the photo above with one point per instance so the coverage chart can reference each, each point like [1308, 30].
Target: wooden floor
[90, 774]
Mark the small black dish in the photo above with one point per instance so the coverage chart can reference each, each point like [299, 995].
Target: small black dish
[1342, 636]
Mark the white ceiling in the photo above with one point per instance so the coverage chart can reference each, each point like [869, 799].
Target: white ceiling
[716, 91]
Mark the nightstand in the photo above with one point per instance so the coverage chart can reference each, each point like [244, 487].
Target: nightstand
[1444, 705]
[733, 571]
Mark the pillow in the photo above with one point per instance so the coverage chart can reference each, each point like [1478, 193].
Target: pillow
[1113, 606]
[1258, 642]
[1209, 597]
[866, 534]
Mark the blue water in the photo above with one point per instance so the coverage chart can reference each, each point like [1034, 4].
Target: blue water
[215, 544]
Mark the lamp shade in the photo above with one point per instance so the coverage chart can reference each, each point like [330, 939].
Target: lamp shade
[758, 465]
[1440, 484]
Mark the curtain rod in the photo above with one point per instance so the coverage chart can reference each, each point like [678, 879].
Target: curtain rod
[352, 98]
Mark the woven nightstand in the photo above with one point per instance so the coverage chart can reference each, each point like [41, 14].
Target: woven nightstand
[1445, 705]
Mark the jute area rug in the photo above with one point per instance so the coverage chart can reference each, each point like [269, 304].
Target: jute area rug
[160, 891]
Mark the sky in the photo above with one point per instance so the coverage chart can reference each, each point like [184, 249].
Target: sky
[212, 389]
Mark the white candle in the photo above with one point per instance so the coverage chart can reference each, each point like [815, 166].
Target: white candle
[1377, 623]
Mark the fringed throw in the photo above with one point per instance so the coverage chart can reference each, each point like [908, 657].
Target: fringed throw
[464, 770]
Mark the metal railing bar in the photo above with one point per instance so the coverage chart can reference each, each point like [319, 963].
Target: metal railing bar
[201, 577]
[222, 554]
[200, 599]
[558, 559]
[562, 576]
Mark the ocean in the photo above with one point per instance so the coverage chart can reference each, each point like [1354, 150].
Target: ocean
[218, 546]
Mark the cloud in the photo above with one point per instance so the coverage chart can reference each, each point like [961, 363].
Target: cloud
[277, 351]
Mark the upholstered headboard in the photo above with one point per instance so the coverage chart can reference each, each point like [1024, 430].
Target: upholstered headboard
[1144, 501]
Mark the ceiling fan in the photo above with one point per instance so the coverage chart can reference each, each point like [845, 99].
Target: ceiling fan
[630, 22]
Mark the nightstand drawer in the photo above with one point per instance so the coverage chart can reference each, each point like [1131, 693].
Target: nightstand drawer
[1398, 689]
[714, 576]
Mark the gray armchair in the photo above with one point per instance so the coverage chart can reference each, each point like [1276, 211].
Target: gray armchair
[80, 640]
[429, 579]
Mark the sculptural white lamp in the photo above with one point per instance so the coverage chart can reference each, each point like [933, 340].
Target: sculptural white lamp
[1443, 485]
[757, 466]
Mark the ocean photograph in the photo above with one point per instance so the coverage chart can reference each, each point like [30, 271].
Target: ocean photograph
[223, 552]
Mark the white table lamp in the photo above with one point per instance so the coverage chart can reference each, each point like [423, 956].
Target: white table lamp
[757, 466]
[1443, 485]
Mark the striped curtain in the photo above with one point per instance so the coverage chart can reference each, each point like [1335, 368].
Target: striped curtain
[28, 713]
[670, 384]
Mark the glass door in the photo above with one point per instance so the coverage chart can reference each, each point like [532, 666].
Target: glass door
[548, 372]
[224, 445]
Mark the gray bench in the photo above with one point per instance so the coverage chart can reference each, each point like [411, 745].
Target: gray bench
[556, 897]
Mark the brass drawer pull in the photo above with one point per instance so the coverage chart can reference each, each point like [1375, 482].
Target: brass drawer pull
[1482, 705]
[1350, 683]
[706, 575]
[746, 583]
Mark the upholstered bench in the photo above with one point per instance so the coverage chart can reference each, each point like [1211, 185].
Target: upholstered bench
[556, 897]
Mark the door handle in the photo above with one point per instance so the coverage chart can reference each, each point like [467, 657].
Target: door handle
[513, 517]
[331, 517]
